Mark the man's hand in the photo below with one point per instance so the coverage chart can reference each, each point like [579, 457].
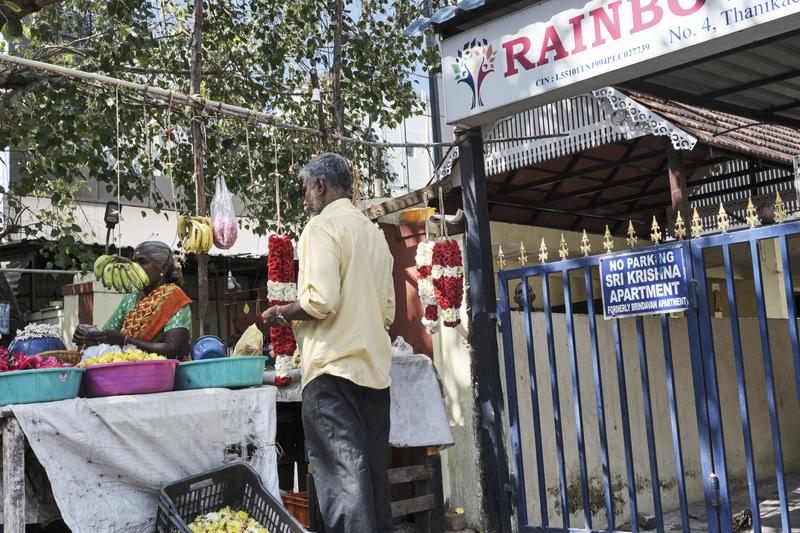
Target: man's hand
[274, 316]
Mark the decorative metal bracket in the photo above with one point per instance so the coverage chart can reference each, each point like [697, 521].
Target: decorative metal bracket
[634, 119]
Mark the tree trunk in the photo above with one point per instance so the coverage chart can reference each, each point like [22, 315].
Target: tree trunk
[338, 102]
[197, 151]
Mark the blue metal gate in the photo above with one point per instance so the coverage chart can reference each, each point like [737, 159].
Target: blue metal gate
[619, 413]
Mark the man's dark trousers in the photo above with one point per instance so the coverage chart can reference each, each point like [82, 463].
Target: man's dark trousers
[347, 438]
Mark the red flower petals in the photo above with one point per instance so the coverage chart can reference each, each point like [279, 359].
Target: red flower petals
[449, 290]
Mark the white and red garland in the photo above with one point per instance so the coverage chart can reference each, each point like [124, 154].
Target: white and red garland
[440, 282]
[430, 318]
[281, 290]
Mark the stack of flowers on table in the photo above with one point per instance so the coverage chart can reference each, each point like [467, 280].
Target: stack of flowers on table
[447, 272]
[281, 290]
[226, 520]
[427, 294]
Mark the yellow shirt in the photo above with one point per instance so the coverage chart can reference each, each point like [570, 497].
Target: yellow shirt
[345, 282]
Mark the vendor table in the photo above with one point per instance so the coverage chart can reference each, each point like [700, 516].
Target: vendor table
[107, 458]
[418, 416]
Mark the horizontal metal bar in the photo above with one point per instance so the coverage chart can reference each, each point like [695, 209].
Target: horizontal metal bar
[788, 228]
[534, 529]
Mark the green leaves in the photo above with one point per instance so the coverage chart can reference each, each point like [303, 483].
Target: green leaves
[12, 6]
[256, 54]
[12, 29]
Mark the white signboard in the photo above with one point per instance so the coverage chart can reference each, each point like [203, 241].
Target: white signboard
[559, 48]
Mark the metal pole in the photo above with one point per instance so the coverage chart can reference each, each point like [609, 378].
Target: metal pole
[433, 88]
[197, 153]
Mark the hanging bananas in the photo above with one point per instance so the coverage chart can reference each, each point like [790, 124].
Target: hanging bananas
[197, 234]
[120, 273]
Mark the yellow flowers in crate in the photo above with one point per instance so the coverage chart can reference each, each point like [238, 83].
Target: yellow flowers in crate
[121, 357]
[226, 520]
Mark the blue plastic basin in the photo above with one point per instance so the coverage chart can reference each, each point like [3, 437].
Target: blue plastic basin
[208, 347]
[225, 372]
[42, 385]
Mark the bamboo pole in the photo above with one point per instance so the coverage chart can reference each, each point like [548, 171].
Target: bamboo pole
[197, 155]
[181, 99]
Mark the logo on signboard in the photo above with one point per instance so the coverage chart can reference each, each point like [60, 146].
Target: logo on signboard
[475, 61]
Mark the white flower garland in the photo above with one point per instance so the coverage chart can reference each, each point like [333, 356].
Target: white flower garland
[282, 292]
[439, 271]
[38, 331]
[283, 364]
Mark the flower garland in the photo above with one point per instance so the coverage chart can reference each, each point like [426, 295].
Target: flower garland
[281, 290]
[424, 261]
[38, 331]
[448, 280]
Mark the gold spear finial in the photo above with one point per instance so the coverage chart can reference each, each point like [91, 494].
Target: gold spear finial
[543, 252]
[563, 251]
[723, 222]
[586, 246]
[680, 227]
[501, 258]
[523, 256]
[780, 208]
[655, 231]
[632, 238]
[697, 224]
[752, 214]
[608, 242]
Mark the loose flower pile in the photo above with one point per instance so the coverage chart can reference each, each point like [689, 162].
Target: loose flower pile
[425, 287]
[10, 363]
[281, 290]
[38, 331]
[121, 357]
[448, 280]
[226, 520]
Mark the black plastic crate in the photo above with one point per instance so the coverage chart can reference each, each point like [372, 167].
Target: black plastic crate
[236, 486]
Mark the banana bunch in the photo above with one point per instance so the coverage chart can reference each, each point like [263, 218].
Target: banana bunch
[197, 234]
[120, 273]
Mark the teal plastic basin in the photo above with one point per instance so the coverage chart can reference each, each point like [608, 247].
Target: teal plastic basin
[42, 385]
[223, 372]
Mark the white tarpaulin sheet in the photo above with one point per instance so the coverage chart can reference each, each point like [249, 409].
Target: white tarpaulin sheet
[418, 416]
[107, 458]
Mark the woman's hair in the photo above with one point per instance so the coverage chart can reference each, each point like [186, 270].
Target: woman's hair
[162, 254]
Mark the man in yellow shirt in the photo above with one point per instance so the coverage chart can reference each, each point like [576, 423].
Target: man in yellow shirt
[345, 305]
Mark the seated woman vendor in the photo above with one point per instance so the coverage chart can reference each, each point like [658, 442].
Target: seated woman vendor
[157, 319]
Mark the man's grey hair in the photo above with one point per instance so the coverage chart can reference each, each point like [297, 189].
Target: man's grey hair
[331, 168]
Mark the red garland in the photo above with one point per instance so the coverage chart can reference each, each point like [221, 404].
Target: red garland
[449, 288]
[280, 268]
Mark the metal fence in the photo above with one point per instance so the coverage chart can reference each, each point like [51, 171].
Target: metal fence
[637, 427]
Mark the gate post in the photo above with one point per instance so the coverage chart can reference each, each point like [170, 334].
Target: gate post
[483, 339]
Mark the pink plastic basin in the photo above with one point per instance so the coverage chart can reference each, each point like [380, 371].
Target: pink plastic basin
[132, 377]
